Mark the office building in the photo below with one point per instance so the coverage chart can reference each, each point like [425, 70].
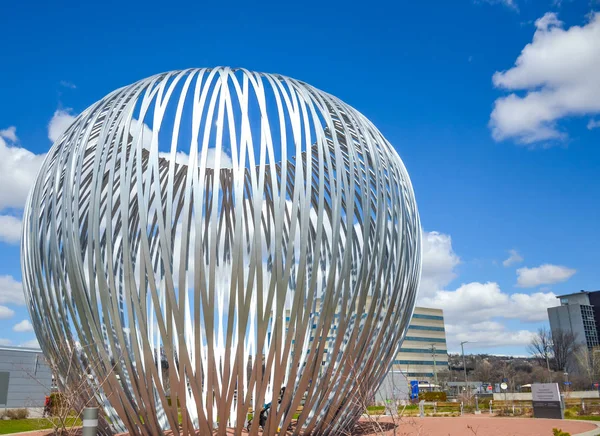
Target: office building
[423, 352]
[577, 314]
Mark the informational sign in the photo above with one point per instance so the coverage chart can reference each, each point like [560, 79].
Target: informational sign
[546, 401]
[414, 389]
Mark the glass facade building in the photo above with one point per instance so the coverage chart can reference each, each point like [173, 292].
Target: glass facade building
[577, 314]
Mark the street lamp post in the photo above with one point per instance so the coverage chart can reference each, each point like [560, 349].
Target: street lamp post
[548, 365]
[462, 347]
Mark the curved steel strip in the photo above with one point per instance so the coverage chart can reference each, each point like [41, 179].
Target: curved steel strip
[201, 239]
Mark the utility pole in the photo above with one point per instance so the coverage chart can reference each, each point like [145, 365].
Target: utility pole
[435, 378]
[462, 347]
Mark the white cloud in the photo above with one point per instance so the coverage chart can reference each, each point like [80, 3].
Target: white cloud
[18, 168]
[32, 343]
[6, 313]
[487, 334]
[10, 229]
[180, 156]
[559, 71]
[9, 134]
[514, 257]
[475, 310]
[23, 326]
[480, 301]
[593, 124]
[543, 275]
[439, 262]
[5, 342]
[472, 312]
[67, 84]
[60, 122]
[211, 155]
[11, 291]
[511, 4]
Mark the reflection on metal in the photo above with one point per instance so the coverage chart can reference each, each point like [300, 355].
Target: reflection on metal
[206, 237]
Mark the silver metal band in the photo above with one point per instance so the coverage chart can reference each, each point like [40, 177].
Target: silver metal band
[244, 230]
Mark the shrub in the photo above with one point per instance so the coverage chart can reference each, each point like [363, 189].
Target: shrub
[17, 413]
[56, 403]
[559, 432]
[571, 413]
[433, 396]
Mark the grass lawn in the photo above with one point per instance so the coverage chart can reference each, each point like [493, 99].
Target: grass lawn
[585, 417]
[376, 410]
[20, 425]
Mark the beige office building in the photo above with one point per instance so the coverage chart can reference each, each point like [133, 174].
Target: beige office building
[423, 352]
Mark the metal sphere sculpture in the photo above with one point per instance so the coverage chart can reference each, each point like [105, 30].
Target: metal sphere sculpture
[207, 241]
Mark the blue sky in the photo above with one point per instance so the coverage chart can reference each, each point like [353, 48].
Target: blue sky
[502, 157]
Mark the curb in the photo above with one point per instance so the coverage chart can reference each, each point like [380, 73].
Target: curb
[594, 432]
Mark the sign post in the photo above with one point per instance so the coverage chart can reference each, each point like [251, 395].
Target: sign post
[90, 421]
[546, 401]
[414, 390]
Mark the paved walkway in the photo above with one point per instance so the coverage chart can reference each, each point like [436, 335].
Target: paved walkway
[491, 426]
[465, 426]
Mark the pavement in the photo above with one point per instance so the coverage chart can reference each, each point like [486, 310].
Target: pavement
[470, 425]
[474, 425]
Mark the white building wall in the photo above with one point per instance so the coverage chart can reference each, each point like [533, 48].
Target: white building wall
[426, 334]
[29, 377]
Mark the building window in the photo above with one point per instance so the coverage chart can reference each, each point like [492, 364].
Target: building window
[413, 338]
[421, 350]
[434, 317]
[424, 327]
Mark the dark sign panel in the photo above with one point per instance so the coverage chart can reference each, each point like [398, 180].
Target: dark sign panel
[546, 401]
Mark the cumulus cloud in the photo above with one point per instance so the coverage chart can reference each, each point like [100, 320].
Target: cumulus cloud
[9, 134]
[67, 84]
[439, 263]
[479, 301]
[559, 73]
[11, 291]
[23, 326]
[6, 313]
[32, 343]
[5, 342]
[593, 124]
[10, 229]
[488, 334]
[59, 123]
[514, 257]
[472, 312]
[476, 309]
[511, 4]
[18, 168]
[543, 275]
[146, 133]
